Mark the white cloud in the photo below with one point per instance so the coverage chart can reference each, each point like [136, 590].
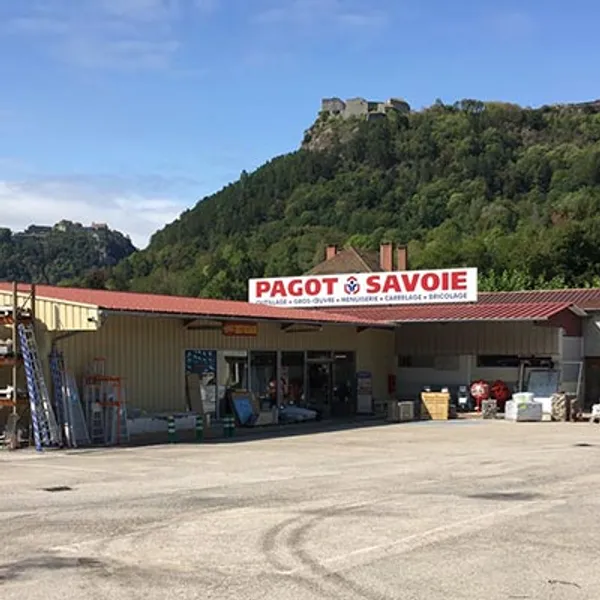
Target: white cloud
[85, 200]
[120, 34]
[121, 53]
[322, 13]
[140, 10]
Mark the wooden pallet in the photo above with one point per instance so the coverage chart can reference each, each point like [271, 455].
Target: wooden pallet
[435, 406]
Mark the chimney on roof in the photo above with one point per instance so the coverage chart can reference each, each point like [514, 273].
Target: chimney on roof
[402, 258]
[330, 252]
[386, 257]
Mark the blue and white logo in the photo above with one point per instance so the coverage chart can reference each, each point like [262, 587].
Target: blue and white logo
[351, 286]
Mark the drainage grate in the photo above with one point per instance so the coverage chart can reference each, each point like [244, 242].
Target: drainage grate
[58, 488]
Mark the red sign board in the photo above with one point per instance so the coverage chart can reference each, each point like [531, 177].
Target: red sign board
[240, 329]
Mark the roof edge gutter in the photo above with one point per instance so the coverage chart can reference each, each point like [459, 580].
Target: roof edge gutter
[131, 313]
[471, 320]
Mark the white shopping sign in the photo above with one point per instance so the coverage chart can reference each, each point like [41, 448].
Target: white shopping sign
[367, 289]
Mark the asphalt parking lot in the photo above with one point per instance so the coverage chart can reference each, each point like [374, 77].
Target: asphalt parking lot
[469, 510]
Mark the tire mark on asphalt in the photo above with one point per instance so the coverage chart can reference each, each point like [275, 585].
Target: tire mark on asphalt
[284, 572]
[297, 542]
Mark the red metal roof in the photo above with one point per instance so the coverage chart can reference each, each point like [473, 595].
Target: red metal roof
[179, 305]
[491, 306]
[587, 299]
[511, 311]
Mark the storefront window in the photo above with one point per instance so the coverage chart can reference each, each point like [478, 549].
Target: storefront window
[263, 377]
[232, 374]
[201, 380]
[292, 377]
[344, 378]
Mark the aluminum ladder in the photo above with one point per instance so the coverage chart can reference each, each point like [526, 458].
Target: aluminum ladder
[45, 428]
[67, 402]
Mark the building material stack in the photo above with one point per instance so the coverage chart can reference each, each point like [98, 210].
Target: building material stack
[10, 396]
[105, 408]
[46, 432]
[401, 412]
[489, 409]
[67, 403]
[435, 406]
[523, 408]
[565, 407]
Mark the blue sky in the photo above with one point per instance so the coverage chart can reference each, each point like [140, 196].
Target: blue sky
[129, 111]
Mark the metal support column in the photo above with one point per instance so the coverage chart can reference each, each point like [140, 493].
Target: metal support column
[15, 346]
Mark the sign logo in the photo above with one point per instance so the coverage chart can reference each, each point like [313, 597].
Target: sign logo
[351, 286]
[240, 329]
[441, 286]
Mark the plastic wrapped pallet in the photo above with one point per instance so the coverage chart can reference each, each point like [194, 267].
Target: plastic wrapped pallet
[523, 397]
[393, 411]
[523, 411]
[489, 409]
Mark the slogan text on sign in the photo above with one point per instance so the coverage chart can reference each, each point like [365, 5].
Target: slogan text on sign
[367, 289]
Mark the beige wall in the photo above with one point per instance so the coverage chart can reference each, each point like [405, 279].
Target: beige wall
[465, 341]
[55, 315]
[149, 353]
[437, 339]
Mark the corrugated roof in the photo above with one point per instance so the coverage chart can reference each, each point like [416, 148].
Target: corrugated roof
[511, 311]
[492, 306]
[179, 305]
[587, 299]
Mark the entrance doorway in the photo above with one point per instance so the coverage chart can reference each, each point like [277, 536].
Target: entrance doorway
[331, 383]
[344, 385]
[592, 381]
[319, 385]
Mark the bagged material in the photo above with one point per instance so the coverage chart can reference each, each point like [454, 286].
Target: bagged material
[523, 397]
[523, 411]
[489, 409]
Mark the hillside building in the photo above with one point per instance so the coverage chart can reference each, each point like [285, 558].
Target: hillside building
[359, 107]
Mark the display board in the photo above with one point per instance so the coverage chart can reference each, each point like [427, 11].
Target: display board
[203, 363]
[242, 404]
[364, 392]
[367, 289]
[543, 383]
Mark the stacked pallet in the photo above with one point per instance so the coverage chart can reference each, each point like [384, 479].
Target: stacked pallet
[435, 406]
[565, 407]
[489, 409]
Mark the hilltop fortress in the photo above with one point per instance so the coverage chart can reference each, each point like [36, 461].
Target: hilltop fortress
[359, 107]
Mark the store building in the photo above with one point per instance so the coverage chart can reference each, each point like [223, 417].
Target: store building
[349, 355]
[154, 343]
[490, 336]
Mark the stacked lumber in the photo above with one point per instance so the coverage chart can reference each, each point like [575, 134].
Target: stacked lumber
[435, 406]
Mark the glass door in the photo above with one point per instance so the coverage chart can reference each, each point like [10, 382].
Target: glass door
[320, 384]
[344, 389]
[263, 378]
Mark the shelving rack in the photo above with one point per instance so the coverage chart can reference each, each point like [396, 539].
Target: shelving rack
[11, 316]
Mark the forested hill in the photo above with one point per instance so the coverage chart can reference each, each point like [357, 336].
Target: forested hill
[514, 191]
[67, 253]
